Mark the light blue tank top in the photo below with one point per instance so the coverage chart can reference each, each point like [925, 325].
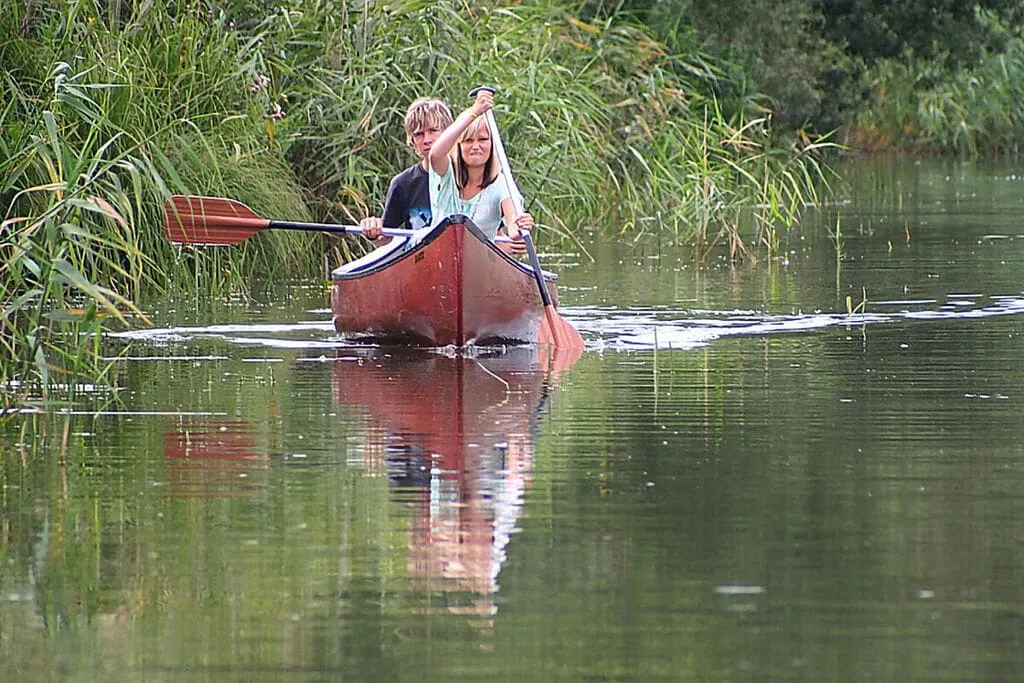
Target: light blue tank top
[484, 209]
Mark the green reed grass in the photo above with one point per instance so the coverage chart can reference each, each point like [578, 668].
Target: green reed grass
[296, 109]
[101, 123]
[601, 123]
[920, 106]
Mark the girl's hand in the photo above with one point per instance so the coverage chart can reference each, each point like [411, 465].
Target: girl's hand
[524, 221]
[521, 224]
[483, 103]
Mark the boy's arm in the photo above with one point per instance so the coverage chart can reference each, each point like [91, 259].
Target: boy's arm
[396, 206]
[373, 227]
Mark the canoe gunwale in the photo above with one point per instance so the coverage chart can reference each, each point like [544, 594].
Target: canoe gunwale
[390, 257]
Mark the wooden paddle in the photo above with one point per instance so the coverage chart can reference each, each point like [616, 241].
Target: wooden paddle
[557, 330]
[211, 220]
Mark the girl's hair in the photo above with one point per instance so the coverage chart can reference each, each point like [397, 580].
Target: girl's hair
[423, 112]
[461, 172]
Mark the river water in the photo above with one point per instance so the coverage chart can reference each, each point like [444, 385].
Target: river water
[804, 467]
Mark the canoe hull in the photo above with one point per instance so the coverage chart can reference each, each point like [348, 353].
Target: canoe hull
[454, 288]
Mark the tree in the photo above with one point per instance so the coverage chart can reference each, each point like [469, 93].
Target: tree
[950, 31]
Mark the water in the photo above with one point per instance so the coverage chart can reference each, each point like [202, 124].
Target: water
[746, 476]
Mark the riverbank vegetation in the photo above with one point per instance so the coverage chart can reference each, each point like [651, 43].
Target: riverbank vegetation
[675, 118]
[915, 75]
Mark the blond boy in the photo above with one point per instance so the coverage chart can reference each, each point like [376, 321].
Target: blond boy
[408, 201]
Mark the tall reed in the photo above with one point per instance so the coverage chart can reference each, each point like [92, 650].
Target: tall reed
[296, 110]
[602, 124]
[95, 136]
[922, 106]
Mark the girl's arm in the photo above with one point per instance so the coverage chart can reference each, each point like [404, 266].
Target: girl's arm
[514, 225]
[438, 156]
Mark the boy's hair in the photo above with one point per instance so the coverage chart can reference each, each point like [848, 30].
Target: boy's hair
[490, 169]
[426, 111]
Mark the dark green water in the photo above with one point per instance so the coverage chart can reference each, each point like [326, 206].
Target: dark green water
[738, 480]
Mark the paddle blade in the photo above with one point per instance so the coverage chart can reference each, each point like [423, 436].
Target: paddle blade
[209, 220]
[557, 331]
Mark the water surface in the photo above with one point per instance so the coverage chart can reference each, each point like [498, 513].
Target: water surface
[800, 468]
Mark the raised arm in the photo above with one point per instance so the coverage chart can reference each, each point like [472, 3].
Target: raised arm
[438, 156]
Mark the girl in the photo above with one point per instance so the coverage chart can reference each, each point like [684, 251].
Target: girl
[463, 176]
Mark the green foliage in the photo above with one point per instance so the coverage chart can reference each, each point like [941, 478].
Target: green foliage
[98, 126]
[811, 58]
[922, 106]
[773, 48]
[71, 250]
[951, 32]
[598, 117]
[296, 109]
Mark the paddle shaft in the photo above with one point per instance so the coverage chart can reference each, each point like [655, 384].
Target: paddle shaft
[506, 171]
[218, 221]
[517, 202]
[354, 229]
[563, 334]
[329, 227]
[545, 296]
[211, 221]
[243, 222]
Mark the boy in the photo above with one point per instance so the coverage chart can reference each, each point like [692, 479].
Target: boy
[408, 201]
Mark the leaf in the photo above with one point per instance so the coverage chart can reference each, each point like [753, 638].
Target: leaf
[97, 204]
[76, 279]
[21, 302]
[42, 366]
[70, 315]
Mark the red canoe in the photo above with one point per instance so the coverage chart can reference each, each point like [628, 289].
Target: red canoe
[453, 287]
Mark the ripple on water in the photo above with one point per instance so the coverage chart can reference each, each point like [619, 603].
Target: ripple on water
[686, 329]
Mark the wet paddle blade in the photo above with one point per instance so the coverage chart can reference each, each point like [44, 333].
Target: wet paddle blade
[557, 331]
[556, 360]
[210, 220]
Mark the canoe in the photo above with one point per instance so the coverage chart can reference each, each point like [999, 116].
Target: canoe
[451, 287]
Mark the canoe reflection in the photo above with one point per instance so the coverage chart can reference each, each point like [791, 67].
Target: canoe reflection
[455, 435]
[210, 458]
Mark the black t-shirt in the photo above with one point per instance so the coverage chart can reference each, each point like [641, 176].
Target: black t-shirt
[408, 202]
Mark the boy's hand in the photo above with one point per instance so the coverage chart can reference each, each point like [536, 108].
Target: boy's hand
[372, 227]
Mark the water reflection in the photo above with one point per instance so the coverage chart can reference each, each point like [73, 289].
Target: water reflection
[455, 436]
[214, 459]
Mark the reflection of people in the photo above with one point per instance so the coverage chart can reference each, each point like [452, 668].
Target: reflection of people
[456, 434]
[408, 201]
[463, 174]
[459, 541]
